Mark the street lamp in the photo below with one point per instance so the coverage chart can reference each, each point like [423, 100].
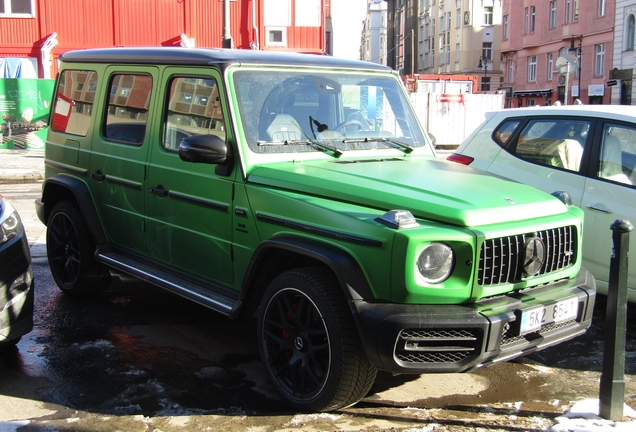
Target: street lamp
[574, 50]
[485, 66]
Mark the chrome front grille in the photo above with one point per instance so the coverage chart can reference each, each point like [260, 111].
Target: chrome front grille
[501, 259]
[416, 346]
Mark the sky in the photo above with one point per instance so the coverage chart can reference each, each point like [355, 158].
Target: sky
[346, 18]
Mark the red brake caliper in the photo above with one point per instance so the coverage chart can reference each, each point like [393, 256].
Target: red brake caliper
[286, 334]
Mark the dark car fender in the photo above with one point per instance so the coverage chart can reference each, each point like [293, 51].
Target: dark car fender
[64, 187]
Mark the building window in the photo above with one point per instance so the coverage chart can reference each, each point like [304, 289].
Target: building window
[599, 60]
[631, 27]
[567, 10]
[17, 8]
[575, 10]
[601, 8]
[309, 15]
[532, 68]
[276, 36]
[511, 72]
[533, 14]
[457, 53]
[553, 10]
[525, 21]
[550, 66]
[486, 52]
[488, 13]
[505, 27]
[277, 13]
[485, 84]
[458, 18]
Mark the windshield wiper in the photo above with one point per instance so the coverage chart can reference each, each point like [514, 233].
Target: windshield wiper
[325, 148]
[391, 142]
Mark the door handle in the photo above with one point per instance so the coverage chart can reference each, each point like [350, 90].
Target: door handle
[599, 208]
[159, 190]
[98, 176]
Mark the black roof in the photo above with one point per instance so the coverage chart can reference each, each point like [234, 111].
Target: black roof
[210, 56]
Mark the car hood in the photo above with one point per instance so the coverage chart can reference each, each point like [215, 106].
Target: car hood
[430, 188]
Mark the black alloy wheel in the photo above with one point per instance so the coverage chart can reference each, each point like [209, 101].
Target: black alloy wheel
[309, 343]
[70, 251]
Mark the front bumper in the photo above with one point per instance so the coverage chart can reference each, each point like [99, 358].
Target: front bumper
[16, 289]
[402, 338]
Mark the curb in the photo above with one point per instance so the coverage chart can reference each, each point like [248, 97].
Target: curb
[11, 177]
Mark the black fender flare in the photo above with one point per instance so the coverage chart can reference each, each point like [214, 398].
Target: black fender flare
[348, 272]
[344, 266]
[58, 188]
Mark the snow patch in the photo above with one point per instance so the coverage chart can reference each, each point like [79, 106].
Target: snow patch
[13, 426]
[584, 417]
[301, 419]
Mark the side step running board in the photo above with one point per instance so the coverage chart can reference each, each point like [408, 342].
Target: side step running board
[192, 291]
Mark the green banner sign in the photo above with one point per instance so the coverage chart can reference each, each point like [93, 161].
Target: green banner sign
[24, 112]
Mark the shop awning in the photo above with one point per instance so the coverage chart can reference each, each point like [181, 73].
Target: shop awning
[537, 92]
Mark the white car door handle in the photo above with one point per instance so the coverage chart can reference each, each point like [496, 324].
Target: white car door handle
[599, 208]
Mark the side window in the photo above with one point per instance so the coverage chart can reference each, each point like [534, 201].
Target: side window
[193, 108]
[74, 101]
[127, 114]
[557, 143]
[617, 158]
[505, 130]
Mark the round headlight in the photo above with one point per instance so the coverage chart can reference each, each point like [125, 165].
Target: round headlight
[10, 227]
[436, 262]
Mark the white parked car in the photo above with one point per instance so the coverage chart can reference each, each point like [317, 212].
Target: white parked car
[587, 151]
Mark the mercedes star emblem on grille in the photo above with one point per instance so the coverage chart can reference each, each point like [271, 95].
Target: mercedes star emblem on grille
[534, 256]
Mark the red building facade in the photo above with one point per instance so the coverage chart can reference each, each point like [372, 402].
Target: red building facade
[41, 30]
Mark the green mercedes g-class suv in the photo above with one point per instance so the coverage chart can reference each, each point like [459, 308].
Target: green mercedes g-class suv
[302, 190]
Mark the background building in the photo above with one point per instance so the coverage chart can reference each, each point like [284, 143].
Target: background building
[538, 37]
[373, 47]
[40, 30]
[446, 37]
[624, 54]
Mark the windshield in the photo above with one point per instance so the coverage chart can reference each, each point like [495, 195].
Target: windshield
[292, 111]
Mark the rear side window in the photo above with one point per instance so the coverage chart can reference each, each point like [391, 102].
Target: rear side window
[127, 114]
[554, 142]
[74, 101]
[617, 159]
[505, 130]
[194, 108]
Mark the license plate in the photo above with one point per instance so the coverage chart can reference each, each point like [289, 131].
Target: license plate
[533, 319]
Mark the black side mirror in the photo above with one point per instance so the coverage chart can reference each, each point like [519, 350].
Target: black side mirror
[208, 149]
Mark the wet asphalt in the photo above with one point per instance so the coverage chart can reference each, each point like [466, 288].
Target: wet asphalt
[138, 358]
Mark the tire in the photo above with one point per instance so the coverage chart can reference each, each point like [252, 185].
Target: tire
[70, 250]
[309, 343]
[7, 345]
